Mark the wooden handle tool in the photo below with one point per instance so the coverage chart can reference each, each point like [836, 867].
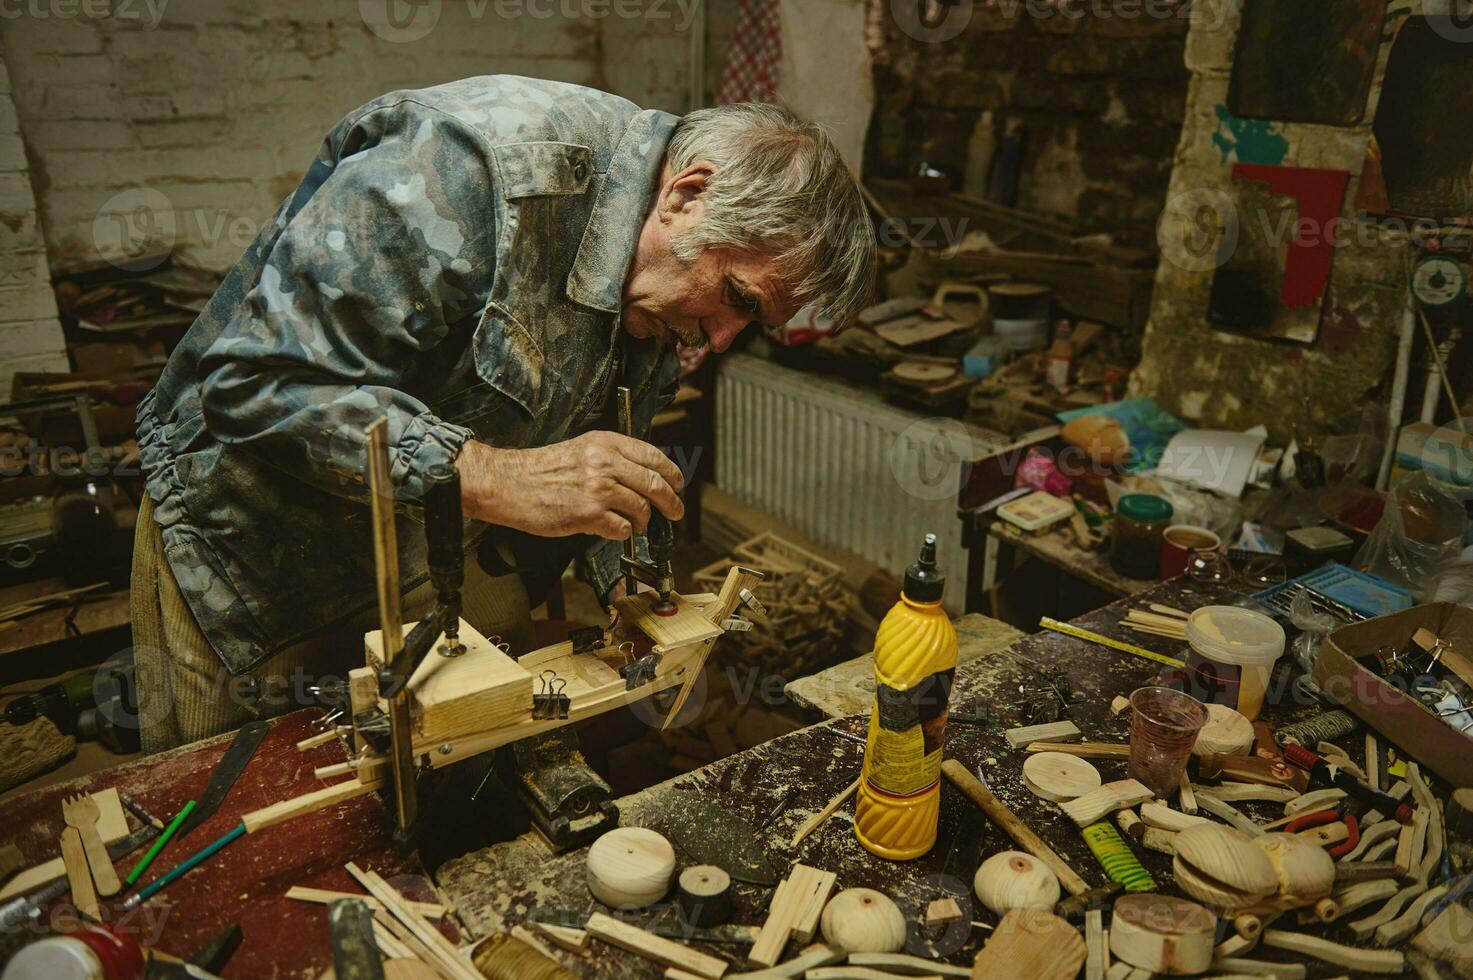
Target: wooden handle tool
[1025, 838]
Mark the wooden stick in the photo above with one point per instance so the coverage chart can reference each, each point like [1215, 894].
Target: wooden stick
[1366, 960]
[445, 954]
[1186, 799]
[1169, 610]
[651, 946]
[815, 821]
[312, 741]
[321, 896]
[1084, 750]
[1209, 802]
[1025, 838]
[1373, 760]
[307, 803]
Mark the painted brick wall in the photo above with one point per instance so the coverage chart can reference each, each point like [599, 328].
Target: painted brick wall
[186, 123]
[30, 334]
[1099, 88]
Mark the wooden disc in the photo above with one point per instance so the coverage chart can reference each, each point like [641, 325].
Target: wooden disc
[1058, 777]
[1162, 934]
[923, 373]
[630, 867]
[1014, 880]
[862, 920]
[703, 896]
[1226, 733]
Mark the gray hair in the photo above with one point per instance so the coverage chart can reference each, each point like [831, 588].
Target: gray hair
[780, 184]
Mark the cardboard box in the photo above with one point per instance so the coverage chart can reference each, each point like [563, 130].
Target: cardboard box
[1343, 677]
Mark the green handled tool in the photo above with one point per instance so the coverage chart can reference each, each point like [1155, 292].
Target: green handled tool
[158, 845]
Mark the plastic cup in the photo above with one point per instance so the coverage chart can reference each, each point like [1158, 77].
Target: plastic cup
[1163, 729]
[1233, 655]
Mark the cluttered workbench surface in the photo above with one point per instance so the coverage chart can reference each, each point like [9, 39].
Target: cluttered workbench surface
[743, 812]
[244, 884]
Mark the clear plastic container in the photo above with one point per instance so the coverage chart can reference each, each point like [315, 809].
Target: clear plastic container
[1233, 656]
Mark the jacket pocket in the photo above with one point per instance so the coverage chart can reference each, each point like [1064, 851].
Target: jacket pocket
[538, 169]
[508, 357]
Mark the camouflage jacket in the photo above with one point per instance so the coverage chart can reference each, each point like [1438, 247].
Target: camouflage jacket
[453, 260]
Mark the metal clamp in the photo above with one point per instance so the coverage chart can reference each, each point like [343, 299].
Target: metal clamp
[551, 702]
[752, 602]
[641, 671]
[586, 638]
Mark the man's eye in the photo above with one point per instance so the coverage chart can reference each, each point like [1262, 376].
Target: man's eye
[737, 298]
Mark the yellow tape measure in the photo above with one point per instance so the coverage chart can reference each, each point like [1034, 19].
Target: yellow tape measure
[1121, 645]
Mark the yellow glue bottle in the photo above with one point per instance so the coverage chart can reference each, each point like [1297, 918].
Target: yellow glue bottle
[915, 657]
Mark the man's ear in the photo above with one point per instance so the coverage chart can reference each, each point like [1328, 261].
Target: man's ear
[688, 185]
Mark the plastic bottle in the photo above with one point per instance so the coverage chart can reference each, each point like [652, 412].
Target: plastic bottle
[980, 150]
[915, 658]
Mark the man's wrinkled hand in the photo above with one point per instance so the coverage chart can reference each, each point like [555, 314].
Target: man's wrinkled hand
[600, 483]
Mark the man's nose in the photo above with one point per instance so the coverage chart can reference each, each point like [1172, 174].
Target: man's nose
[723, 331]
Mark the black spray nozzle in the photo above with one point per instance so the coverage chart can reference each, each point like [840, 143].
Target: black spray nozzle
[923, 580]
[444, 534]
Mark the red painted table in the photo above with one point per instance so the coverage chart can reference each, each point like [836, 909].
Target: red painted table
[245, 883]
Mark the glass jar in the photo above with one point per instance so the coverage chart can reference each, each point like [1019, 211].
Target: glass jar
[1140, 519]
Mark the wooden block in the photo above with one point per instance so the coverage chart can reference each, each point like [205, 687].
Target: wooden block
[1160, 841]
[1185, 797]
[1373, 761]
[686, 626]
[573, 940]
[1094, 945]
[1119, 705]
[1031, 943]
[1210, 803]
[1446, 938]
[778, 926]
[1100, 803]
[478, 691]
[806, 923]
[1248, 769]
[1365, 960]
[942, 911]
[629, 867]
[1056, 731]
[1163, 817]
[1237, 792]
[651, 946]
[902, 963]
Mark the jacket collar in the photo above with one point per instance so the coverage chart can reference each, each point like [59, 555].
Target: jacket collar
[609, 240]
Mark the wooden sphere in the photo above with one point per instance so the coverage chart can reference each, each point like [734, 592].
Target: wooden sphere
[1227, 732]
[1058, 777]
[1014, 880]
[630, 867]
[862, 920]
[1162, 934]
[1304, 868]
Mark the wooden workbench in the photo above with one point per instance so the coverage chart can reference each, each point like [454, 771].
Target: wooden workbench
[246, 882]
[777, 785]
[849, 688]
[1057, 547]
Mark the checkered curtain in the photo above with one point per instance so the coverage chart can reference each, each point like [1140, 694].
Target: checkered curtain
[755, 55]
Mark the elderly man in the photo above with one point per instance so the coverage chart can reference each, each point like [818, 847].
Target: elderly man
[482, 262]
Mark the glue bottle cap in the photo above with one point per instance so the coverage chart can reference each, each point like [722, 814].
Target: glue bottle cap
[923, 580]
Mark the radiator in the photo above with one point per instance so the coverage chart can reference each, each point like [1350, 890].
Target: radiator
[844, 467]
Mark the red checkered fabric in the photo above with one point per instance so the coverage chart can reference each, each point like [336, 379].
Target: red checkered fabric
[755, 56]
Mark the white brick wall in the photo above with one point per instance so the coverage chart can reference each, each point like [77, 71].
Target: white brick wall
[30, 334]
[219, 106]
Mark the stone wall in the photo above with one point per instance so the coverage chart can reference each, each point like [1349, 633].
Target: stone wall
[1218, 379]
[1099, 89]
